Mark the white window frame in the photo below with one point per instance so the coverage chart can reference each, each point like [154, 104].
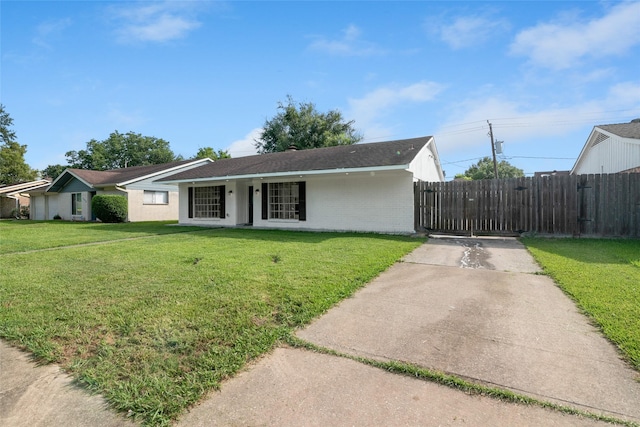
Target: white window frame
[284, 201]
[76, 204]
[151, 197]
[207, 201]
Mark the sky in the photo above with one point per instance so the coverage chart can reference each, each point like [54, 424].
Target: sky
[209, 74]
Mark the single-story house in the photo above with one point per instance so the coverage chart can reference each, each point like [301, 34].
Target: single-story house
[69, 195]
[13, 197]
[361, 187]
[610, 149]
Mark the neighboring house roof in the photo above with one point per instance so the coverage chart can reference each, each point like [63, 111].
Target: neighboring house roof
[632, 170]
[381, 155]
[118, 177]
[23, 187]
[630, 132]
[625, 130]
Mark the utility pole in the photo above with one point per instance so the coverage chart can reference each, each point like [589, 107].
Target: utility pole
[493, 151]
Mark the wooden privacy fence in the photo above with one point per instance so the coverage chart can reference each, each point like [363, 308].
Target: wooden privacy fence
[591, 205]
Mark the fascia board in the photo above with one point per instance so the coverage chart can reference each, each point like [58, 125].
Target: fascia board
[163, 171]
[88, 184]
[292, 173]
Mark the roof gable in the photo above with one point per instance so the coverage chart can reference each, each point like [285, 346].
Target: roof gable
[381, 154]
[602, 133]
[624, 130]
[120, 177]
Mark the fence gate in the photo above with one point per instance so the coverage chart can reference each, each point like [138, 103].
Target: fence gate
[603, 205]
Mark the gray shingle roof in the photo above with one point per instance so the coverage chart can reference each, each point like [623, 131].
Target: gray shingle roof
[113, 176]
[392, 153]
[625, 130]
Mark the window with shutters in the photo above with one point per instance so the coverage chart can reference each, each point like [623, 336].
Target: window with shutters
[284, 200]
[208, 202]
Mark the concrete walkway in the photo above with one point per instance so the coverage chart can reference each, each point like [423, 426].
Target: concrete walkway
[469, 307]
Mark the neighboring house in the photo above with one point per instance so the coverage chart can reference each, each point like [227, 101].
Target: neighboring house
[551, 173]
[610, 149]
[69, 195]
[362, 187]
[13, 197]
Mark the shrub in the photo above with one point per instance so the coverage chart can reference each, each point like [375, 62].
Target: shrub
[109, 207]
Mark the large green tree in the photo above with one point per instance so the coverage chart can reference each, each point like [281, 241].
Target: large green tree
[208, 152]
[13, 168]
[484, 170]
[302, 126]
[121, 151]
[52, 171]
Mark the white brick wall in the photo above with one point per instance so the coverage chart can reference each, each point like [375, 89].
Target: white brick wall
[367, 201]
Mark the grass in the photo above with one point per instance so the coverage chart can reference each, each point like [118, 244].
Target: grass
[155, 323]
[603, 277]
[22, 236]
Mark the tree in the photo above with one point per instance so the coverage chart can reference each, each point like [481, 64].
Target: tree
[302, 126]
[121, 151]
[13, 168]
[484, 170]
[208, 152]
[52, 171]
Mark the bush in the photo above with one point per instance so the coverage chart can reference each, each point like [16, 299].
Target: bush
[109, 208]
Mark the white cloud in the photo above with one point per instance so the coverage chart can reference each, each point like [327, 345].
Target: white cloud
[369, 111]
[560, 44]
[245, 146]
[48, 30]
[469, 31]
[516, 123]
[350, 44]
[120, 119]
[154, 22]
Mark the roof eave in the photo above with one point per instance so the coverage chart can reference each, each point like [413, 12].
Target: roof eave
[292, 173]
[151, 175]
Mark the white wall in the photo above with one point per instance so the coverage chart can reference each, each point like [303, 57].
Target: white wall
[616, 154]
[424, 166]
[139, 211]
[37, 207]
[369, 201]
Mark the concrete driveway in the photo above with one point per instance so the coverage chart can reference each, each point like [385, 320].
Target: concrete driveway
[470, 307]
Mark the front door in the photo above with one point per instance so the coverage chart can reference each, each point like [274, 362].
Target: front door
[251, 205]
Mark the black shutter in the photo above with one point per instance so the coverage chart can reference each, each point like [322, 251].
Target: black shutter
[265, 200]
[223, 214]
[302, 200]
[190, 202]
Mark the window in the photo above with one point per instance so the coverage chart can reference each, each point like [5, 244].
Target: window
[155, 197]
[76, 203]
[284, 200]
[206, 202]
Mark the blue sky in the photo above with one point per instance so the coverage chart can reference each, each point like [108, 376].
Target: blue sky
[208, 74]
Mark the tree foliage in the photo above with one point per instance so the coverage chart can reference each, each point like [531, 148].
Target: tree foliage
[52, 171]
[208, 152]
[302, 126]
[484, 170]
[121, 151]
[13, 168]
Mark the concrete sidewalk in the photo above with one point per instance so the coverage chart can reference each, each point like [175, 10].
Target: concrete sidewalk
[469, 307]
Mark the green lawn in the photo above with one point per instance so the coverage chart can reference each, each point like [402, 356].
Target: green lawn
[20, 236]
[603, 277]
[155, 323]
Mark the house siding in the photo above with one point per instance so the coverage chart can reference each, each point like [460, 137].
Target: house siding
[139, 211]
[613, 155]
